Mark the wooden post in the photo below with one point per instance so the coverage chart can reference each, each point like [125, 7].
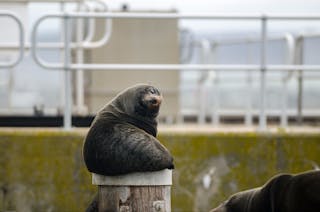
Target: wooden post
[140, 191]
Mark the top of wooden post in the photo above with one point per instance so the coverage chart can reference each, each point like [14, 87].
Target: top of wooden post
[163, 177]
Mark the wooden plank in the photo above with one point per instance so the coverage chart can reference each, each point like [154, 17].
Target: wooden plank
[134, 198]
[140, 192]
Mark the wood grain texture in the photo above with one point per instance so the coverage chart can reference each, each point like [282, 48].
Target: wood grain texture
[134, 198]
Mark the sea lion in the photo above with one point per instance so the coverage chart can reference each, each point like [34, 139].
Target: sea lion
[283, 193]
[122, 137]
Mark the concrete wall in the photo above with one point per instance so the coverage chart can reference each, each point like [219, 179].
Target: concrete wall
[43, 170]
[136, 41]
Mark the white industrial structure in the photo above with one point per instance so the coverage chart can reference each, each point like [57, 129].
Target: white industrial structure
[77, 39]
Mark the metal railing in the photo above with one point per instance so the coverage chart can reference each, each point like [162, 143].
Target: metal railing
[208, 49]
[263, 67]
[81, 43]
[16, 19]
[86, 43]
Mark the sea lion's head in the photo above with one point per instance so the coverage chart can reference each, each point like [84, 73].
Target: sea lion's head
[239, 202]
[140, 100]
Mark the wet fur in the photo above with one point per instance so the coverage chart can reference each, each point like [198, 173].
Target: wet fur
[283, 193]
[122, 137]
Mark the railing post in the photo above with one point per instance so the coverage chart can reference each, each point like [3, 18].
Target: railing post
[290, 41]
[262, 116]
[248, 114]
[214, 75]
[140, 191]
[67, 122]
[299, 61]
[79, 73]
[205, 54]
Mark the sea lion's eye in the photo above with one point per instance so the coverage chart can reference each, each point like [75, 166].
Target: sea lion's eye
[152, 91]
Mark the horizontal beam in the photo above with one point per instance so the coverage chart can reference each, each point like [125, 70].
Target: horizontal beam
[217, 16]
[240, 67]
[119, 15]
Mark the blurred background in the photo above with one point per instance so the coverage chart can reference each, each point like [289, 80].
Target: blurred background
[240, 82]
[192, 95]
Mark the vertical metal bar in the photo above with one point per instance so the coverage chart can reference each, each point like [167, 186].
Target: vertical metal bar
[262, 116]
[300, 97]
[216, 100]
[202, 103]
[205, 51]
[290, 42]
[214, 76]
[10, 88]
[283, 115]
[180, 116]
[67, 75]
[79, 73]
[248, 115]
[300, 81]
[61, 75]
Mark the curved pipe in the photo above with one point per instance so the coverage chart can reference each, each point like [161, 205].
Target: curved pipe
[291, 43]
[34, 44]
[88, 43]
[21, 40]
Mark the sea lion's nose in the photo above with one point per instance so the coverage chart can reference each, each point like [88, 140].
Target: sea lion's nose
[155, 101]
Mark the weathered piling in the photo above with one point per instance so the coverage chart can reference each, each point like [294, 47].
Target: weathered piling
[140, 191]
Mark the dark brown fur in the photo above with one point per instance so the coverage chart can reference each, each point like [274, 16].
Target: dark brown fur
[122, 137]
[283, 193]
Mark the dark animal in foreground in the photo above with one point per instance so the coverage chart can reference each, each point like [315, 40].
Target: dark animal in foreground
[283, 193]
[122, 137]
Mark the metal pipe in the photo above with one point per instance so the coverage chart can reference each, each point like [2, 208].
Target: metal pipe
[55, 45]
[67, 118]
[235, 41]
[88, 43]
[79, 73]
[290, 41]
[262, 115]
[263, 67]
[215, 116]
[248, 115]
[299, 60]
[103, 40]
[186, 67]
[217, 16]
[21, 39]
[214, 75]
[61, 51]
[152, 66]
[202, 104]
[202, 87]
